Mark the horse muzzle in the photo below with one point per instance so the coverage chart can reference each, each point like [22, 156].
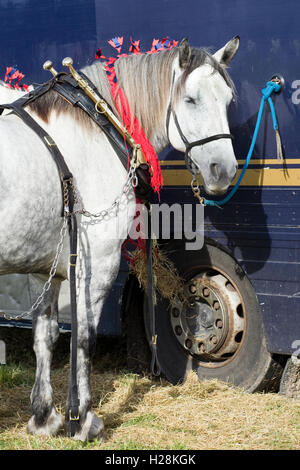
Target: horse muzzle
[220, 177]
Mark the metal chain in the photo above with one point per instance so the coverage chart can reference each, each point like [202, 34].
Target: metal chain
[47, 284]
[113, 210]
[131, 182]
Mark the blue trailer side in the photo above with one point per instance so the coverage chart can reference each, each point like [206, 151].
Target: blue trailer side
[260, 225]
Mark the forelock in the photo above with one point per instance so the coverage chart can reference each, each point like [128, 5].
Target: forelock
[201, 57]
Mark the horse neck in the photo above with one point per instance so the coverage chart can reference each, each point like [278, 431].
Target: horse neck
[146, 81]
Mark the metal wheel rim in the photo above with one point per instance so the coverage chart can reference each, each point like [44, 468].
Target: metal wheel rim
[233, 314]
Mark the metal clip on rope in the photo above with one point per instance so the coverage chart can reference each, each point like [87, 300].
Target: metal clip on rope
[273, 86]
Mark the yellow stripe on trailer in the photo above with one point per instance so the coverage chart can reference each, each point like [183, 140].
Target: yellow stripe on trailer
[253, 177]
[256, 161]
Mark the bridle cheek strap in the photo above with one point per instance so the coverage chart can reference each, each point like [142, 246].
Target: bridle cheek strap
[189, 145]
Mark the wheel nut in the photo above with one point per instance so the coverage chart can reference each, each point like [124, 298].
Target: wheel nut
[175, 312]
[178, 330]
[214, 339]
[192, 288]
[201, 347]
[188, 343]
[216, 305]
[219, 324]
[205, 292]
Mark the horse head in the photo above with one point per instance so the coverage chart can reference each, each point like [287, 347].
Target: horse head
[197, 121]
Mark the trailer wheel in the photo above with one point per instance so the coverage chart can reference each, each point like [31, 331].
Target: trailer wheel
[290, 380]
[220, 333]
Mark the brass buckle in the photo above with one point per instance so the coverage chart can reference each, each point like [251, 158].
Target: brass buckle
[73, 254]
[98, 108]
[49, 141]
[76, 418]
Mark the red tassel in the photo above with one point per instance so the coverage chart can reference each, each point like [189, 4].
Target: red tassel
[116, 43]
[135, 47]
[99, 54]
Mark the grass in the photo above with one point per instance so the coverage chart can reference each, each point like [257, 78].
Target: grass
[145, 413]
[15, 375]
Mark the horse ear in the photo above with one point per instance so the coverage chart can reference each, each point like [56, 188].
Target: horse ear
[227, 53]
[184, 53]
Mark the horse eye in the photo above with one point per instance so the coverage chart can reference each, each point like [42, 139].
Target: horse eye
[190, 100]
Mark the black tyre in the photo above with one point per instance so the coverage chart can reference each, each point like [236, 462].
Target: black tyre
[220, 333]
[290, 380]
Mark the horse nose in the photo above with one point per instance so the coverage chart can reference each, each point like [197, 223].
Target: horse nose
[235, 170]
[215, 170]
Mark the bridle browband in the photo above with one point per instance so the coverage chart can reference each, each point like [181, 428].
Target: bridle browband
[189, 145]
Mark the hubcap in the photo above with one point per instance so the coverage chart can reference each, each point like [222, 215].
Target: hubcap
[211, 325]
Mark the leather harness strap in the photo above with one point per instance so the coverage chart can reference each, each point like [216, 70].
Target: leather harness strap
[149, 307]
[67, 87]
[72, 412]
[17, 108]
[66, 177]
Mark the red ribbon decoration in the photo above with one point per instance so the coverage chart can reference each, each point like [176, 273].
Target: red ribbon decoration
[137, 132]
[122, 104]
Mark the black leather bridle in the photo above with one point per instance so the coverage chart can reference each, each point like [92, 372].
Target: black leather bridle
[189, 145]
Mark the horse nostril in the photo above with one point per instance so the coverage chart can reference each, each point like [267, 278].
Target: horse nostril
[214, 170]
[235, 170]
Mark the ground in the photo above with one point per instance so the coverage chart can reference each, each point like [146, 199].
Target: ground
[141, 412]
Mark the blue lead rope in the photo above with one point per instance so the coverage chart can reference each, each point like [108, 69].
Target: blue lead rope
[266, 96]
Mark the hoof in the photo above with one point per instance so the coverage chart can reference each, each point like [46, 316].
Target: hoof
[92, 428]
[51, 427]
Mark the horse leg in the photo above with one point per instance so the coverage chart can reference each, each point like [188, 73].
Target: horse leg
[44, 420]
[98, 280]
